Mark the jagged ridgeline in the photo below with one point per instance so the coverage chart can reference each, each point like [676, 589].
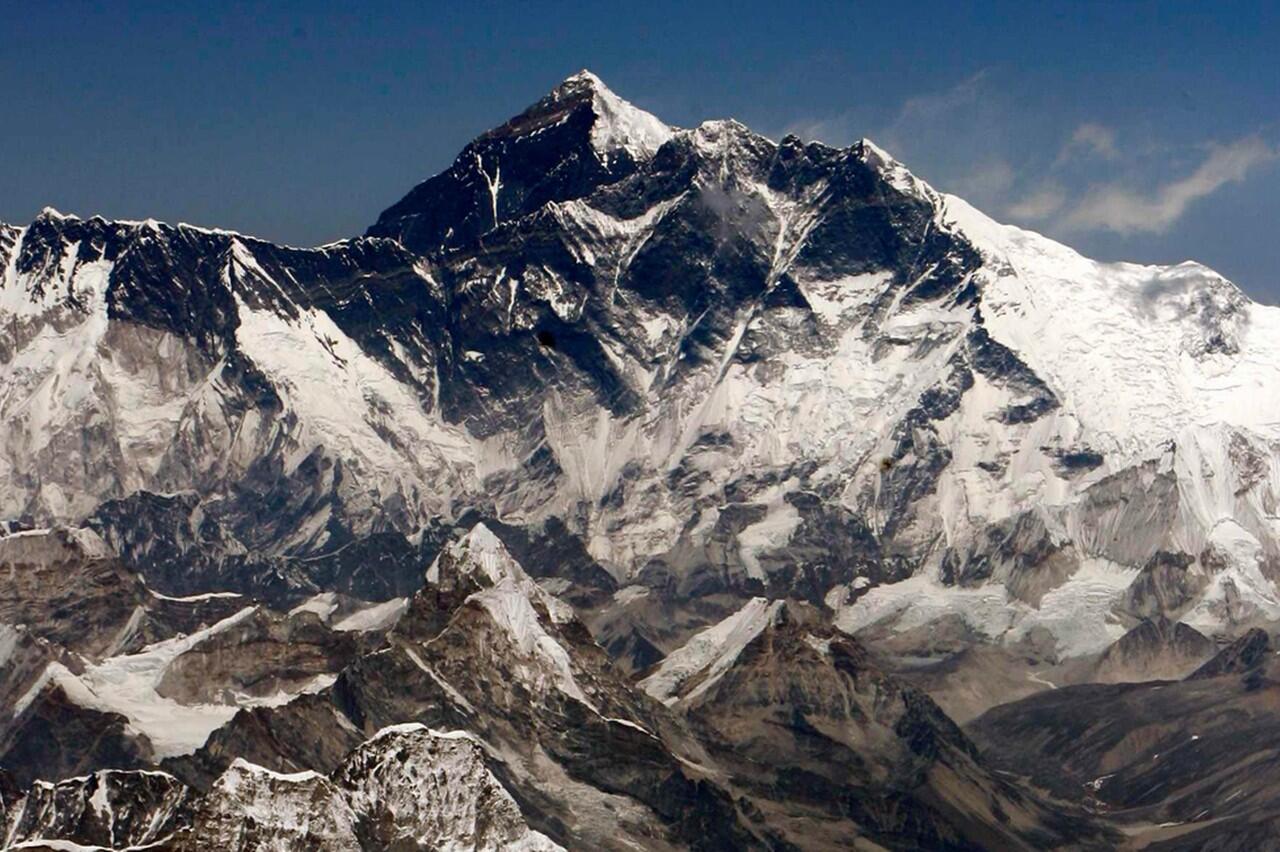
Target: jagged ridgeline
[720, 413]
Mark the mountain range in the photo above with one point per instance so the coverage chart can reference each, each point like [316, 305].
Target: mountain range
[634, 487]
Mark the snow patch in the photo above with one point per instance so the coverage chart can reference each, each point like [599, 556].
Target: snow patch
[377, 617]
[127, 685]
[713, 652]
[323, 605]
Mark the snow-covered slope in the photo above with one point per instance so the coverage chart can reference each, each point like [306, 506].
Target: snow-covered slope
[696, 360]
[183, 357]
[708, 655]
[127, 685]
[619, 125]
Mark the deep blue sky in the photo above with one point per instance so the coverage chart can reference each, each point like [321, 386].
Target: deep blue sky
[1144, 131]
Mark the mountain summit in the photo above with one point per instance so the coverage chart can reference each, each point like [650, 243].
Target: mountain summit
[578, 138]
[618, 125]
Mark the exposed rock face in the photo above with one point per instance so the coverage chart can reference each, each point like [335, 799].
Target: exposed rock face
[405, 788]
[483, 646]
[1243, 655]
[53, 735]
[829, 748]
[67, 586]
[308, 733]
[262, 655]
[144, 676]
[415, 788]
[253, 808]
[1156, 649]
[184, 547]
[1158, 756]
[1168, 583]
[573, 754]
[108, 808]
[1023, 552]
[577, 139]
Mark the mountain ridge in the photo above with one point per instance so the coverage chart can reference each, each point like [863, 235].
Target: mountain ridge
[601, 333]
[669, 464]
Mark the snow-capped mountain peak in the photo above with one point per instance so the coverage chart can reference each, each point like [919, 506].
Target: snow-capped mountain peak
[576, 139]
[619, 125]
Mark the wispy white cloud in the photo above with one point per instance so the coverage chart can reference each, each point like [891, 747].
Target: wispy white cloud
[1039, 205]
[933, 110]
[959, 138]
[1091, 139]
[1124, 210]
[971, 138]
[928, 112]
[957, 111]
[992, 178]
[837, 130]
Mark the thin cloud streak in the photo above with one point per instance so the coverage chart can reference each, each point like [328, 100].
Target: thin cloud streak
[960, 138]
[1040, 204]
[924, 112]
[1123, 210]
[1090, 139]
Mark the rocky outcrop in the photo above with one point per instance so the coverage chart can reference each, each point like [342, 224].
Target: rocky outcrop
[52, 735]
[108, 808]
[405, 788]
[591, 760]
[828, 747]
[1151, 755]
[483, 648]
[1241, 656]
[144, 676]
[1167, 584]
[416, 788]
[1155, 649]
